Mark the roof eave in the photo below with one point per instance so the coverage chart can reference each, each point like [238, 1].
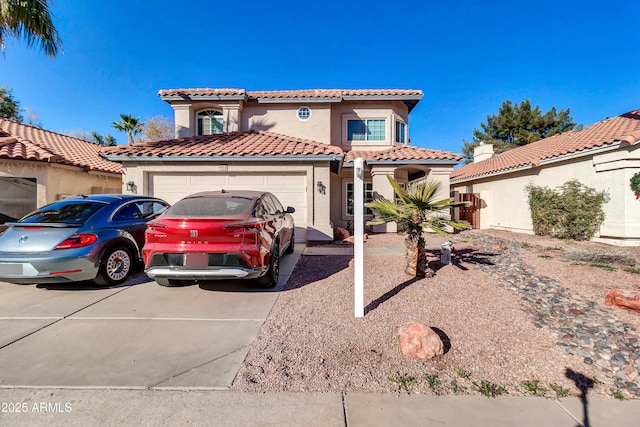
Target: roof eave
[491, 174]
[264, 100]
[256, 158]
[407, 162]
[410, 100]
[588, 152]
[186, 97]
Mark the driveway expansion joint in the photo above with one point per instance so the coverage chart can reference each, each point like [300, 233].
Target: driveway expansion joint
[157, 385]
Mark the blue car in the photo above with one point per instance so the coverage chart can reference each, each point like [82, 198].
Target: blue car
[97, 237]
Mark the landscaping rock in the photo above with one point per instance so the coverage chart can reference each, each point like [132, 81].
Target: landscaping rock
[624, 299]
[340, 233]
[420, 341]
[350, 239]
[499, 247]
[547, 302]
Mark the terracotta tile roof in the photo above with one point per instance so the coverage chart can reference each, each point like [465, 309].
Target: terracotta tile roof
[402, 152]
[334, 93]
[23, 142]
[240, 144]
[623, 128]
[292, 94]
[202, 92]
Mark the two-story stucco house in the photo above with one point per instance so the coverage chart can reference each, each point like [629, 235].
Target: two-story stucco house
[298, 144]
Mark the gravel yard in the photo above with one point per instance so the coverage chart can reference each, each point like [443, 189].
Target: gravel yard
[508, 313]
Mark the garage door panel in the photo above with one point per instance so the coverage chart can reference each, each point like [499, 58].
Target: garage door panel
[245, 182]
[293, 199]
[289, 188]
[287, 181]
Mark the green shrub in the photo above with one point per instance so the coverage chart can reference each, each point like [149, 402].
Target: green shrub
[572, 211]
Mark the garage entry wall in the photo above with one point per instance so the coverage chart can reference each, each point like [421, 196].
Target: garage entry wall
[293, 182]
[289, 188]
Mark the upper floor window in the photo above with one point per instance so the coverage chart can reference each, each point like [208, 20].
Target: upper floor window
[210, 122]
[401, 129]
[366, 130]
[304, 113]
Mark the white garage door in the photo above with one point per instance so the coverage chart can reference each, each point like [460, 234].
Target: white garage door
[289, 188]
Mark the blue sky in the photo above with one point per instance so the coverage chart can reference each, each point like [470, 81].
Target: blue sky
[467, 57]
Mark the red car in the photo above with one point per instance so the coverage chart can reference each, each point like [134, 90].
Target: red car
[219, 235]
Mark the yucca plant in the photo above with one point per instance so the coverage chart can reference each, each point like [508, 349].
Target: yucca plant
[416, 209]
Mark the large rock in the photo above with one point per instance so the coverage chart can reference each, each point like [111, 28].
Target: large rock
[420, 341]
[340, 233]
[624, 299]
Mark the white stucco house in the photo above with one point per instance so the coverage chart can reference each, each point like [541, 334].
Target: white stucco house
[38, 166]
[298, 144]
[603, 156]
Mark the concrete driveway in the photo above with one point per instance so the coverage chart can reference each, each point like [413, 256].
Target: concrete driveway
[137, 335]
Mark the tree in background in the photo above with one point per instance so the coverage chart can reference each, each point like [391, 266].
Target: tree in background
[32, 118]
[29, 20]
[517, 125]
[106, 140]
[9, 106]
[129, 125]
[158, 128]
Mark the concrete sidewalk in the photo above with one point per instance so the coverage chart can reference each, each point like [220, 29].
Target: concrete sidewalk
[95, 407]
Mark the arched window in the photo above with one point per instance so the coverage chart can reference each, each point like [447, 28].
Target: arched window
[209, 122]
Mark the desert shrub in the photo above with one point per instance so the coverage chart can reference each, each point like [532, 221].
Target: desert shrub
[571, 211]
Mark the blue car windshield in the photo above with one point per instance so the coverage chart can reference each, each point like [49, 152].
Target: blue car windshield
[64, 212]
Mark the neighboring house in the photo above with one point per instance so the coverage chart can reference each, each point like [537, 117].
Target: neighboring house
[603, 156]
[39, 167]
[298, 144]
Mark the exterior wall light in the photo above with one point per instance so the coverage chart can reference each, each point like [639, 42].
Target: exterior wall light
[131, 187]
[321, 187]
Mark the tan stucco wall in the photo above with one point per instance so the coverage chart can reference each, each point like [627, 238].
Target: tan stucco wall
[505, 204]
[55, 181]
[327, 123]
[283, 119]
[185, 115]
[390, 111]
[64, 180]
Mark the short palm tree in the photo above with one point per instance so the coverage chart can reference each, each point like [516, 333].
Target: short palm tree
[416, 209]
[130, 125]
[31, 20]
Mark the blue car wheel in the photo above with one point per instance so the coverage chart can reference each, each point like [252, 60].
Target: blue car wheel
[115, 267]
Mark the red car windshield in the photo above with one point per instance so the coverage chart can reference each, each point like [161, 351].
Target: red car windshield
[210, 206]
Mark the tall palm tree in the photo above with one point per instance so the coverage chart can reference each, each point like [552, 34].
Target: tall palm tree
[29, 20]
[130, 125]
[416, 209]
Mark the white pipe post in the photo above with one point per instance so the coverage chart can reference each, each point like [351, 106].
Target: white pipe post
[358, 236]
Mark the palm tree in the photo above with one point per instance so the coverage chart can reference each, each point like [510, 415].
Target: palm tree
[130, 125]
[31, 20]
[416, 210]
